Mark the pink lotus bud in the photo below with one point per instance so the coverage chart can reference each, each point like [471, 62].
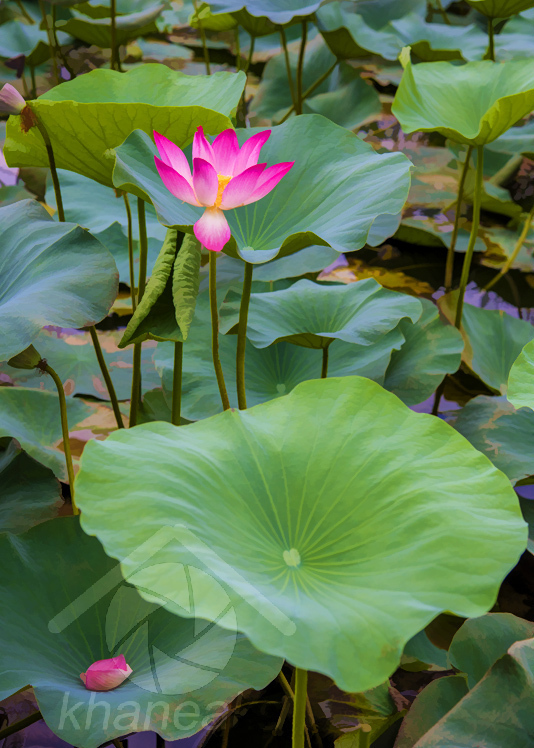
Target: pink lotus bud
[11, 102]
[105, 675]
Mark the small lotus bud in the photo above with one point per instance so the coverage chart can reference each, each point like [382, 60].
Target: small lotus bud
[105, 675]
[27, 359]
[11, 102]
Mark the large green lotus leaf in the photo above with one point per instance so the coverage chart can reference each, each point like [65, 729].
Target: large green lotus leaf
[343, 97]
[515, 41]
[432, 42]
[89, 116]
[67, 605]
[433, 703]
[515, 141]
[97, 207]
[98, 30]
[497, 712]
[26, 39]
[431, 350]
[279, 12]
[493, 340]
[501, 8]
[480, 642]
[501, 244]
[312, 315]
[32, 418]
[521, 380]
[338, 187]
[349, 36]
[50, 274]
[101, 9]
[30, 493]
[359, 520]
[270, 372]
[74, 359]
[473, 103]
[310, 260]
[506, 436]
[426, 232]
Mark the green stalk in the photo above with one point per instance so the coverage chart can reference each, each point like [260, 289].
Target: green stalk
[107, 376]
[177, 384]
[53, 170]
[473, 236]
[250, 53]
[324, 368]
[449, 267]
[283, 39]
[490, 53]
[300, 66]
[509, 262]
[57, 46]
[50, 42]
[215, 331]
[443, 13]
[65, 431]
[308, 92]
[203, 37]
[25, 12]
[299, 707]
[242, 337]
[130, 250]
[135, 398]
[237, 50]
[34, 85]
[113, 23]
[20, 725]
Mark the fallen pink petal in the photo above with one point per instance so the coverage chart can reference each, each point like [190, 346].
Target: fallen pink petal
[105, 675]
[224, 177]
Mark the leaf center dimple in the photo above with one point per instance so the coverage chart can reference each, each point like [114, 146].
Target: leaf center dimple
[292, 557]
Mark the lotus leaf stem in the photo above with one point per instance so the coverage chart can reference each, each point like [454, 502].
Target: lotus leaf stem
[242, 337]
[143, 251]
[203, 37]
[20, 725]
[25, 13]
[50, 41]
[283, 39]
[53, 171]
[490, 54]
[300, 67]
[509, 262]
[65, 431]
[449, 267]
[113, 24]
[299, 707]
[250, 54]
[308, 92]
[117, 743]
[34, 84]
[177, 384]
[324, 368]
[215, 331]
[107, 376]
[57, 46]
[443, 12]
[473, 236]
[237, 50]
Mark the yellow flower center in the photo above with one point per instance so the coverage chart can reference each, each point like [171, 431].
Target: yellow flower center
[223, 181]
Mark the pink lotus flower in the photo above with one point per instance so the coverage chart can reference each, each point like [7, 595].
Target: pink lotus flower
[224, 177]
[11, 102]
[104, 675]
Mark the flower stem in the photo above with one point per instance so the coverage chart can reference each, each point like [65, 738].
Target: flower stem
[490, 53]
[53, 170]
[250, 53]
[107, 376]
[242, 337]
[130, 250]
[299, 707]
[237, 50]
[283, 39]
[509, 262]
[324, 368]
[473, 236]
[50, 42]
[135, 398]
[203, 37]
[177, 384]
[65, 431]
[300, 66]
[308, 92]
[215, 331]
[449, 267]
